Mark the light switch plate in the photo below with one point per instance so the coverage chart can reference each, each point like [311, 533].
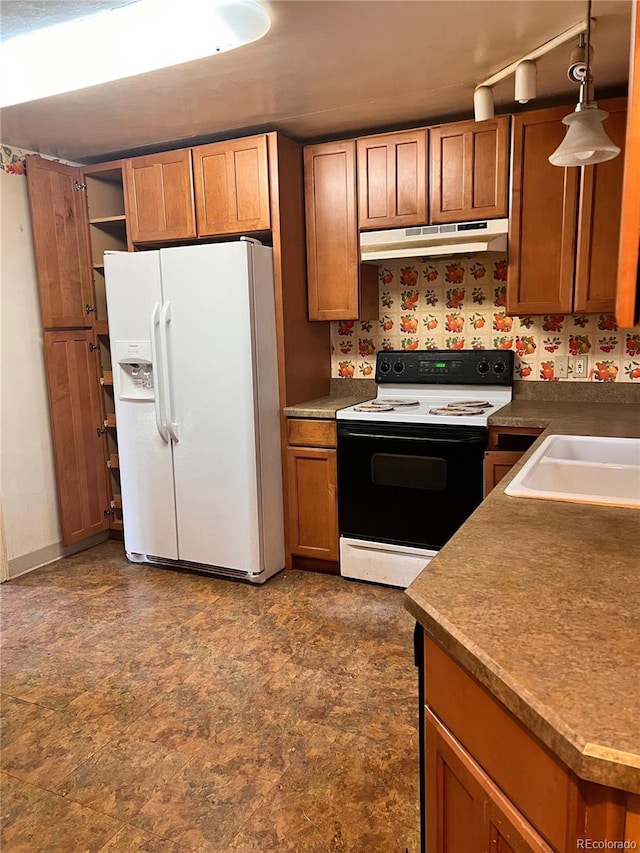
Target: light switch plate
[561, 366]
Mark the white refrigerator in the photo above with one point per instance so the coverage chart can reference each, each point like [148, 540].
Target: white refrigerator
[193, 350]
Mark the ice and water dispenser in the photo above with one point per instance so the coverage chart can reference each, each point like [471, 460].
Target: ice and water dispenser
[135, 369]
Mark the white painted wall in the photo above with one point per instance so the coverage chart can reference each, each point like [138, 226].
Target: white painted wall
[27, 478]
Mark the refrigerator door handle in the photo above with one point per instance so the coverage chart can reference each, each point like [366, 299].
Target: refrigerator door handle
[157, 402]
[165, 319]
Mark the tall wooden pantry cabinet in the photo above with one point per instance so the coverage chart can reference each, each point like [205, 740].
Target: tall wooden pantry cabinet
[77, 213]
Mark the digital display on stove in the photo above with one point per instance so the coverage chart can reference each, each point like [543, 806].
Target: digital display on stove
[426, 367]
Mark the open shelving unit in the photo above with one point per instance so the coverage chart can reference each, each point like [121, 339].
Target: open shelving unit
[107, 232]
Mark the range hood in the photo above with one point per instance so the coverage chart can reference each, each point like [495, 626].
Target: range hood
[429, 241]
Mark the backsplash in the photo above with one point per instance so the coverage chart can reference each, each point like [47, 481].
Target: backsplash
[460, 304]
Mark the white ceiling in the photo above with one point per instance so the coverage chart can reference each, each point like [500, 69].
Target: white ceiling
[325, 68]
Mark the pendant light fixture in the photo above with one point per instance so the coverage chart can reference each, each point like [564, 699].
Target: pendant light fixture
[586, 141]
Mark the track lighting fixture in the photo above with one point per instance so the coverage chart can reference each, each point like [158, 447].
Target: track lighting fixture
[483, 103]
[586, 141]
[526, 74]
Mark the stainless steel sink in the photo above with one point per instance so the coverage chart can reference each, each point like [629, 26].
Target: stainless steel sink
[582, 468]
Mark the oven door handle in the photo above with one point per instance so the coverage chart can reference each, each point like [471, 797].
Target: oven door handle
[418, 438]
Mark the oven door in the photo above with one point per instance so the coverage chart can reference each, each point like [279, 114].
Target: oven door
[409, 484]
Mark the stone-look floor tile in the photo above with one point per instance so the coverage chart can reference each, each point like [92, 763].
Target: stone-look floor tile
[132, 840]
[308, 809]
[17, 717]
[120, 778]
[39, 820]
[290, 709]
[204, 804]
[51, 679]
[116, 702]
[52, 748]
[17, 796]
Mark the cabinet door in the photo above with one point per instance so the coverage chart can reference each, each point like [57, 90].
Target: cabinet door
[628, 294]
[333, 253]
[392, 180]
[542, 226]
[599, 221]
[60, 238]
[78, 445]
[313, 509]
[465, 810]
[468, 170]
[160, 197]
[497, 463]
[232, 186]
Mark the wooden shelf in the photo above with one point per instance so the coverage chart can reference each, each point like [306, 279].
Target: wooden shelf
[117, 501]
[107, 379]
[108, 220]
[101, 327]
[114, 461]
[98, 267]
[111, 419]
[115, 524]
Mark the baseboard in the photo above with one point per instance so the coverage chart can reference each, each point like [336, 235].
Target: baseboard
[49, 554]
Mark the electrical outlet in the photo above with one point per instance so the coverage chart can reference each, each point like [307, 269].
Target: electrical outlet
[580, 366]
[561, 366]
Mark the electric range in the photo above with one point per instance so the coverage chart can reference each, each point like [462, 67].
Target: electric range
[411, 461]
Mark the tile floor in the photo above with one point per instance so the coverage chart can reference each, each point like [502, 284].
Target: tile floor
[151, 710]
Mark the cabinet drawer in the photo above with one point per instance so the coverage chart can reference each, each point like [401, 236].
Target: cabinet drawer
[311, 433]
[533, 779]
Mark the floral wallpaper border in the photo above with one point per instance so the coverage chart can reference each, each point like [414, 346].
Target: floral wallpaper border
[12, 160]
[460, 304]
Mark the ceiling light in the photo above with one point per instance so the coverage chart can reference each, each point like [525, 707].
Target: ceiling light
[586, 141]
[483, 103]
[526, 73]
[143, 36]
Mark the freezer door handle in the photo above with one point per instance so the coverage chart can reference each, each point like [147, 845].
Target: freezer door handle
[153, 332]
[165, 319]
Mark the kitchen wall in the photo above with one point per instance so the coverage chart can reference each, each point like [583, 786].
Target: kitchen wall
[27, 478]
[460, 303]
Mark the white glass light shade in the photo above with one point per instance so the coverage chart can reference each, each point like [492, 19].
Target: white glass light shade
[526, 74]
[144, 36]
[586, 142]
[483, 103]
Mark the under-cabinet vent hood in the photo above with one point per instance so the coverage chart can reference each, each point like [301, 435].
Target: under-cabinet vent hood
[489, 235]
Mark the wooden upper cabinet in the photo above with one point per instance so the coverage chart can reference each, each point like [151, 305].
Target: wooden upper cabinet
[392, 180]
[333, 254]
[468, 170]
[628, 293]
[60, 237]
[159, 190]
[542, 225]
[599, 221]
[232, 186]
[78, 445]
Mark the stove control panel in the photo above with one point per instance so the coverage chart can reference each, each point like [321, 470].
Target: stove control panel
[445, 367]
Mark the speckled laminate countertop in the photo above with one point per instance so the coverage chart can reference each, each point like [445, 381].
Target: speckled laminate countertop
[540, 601]
[326, 407]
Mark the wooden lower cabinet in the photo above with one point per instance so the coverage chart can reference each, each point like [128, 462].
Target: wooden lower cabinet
[78, 433]
[507, 445]
[491, 786]
[312, 492]
[466, 811]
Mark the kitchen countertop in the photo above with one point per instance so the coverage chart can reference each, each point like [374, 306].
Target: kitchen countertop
[326, 407]
[540, 601]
